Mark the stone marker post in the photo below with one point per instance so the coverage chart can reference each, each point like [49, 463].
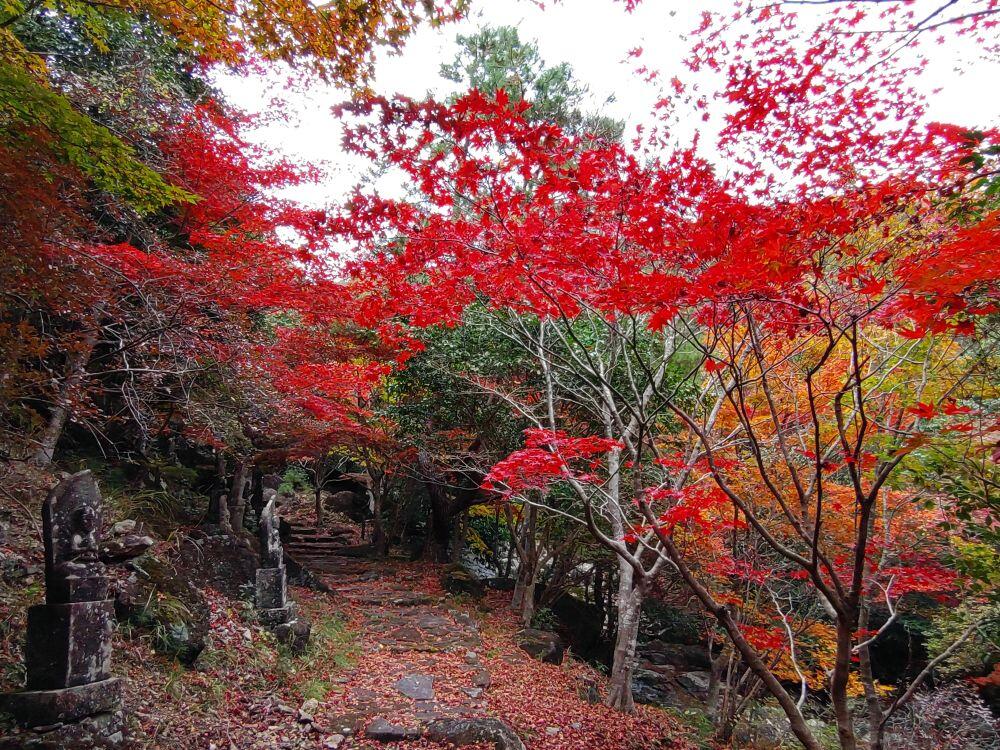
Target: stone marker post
[274, 608]
[68, 642]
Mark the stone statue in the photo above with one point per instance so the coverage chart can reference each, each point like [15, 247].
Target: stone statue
[68, 640]
[273, 607]
[267, 533]
[71, 528]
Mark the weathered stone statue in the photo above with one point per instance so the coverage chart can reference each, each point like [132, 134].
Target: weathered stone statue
[274, 608]
[68, 642]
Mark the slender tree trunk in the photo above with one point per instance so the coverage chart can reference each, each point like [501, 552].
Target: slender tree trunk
[630, 596]
[237, 496]
[715, 684]
[215, 511]
[318, 500]
[517, 600]
[76, 371]
[379, 539]
[868, 680]
[224, 522]
[838, 687]
[457, 546]
[439, 526]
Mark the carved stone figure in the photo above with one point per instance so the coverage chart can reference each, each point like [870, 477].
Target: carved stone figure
[68, 642]
[71, 528]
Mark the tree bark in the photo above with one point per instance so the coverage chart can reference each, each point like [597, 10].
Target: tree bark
[630, 596]
[215, 511]
[439, 526]
[838, 687]
[76, 371]
[379, 539]
[868, 680]
[237, 496]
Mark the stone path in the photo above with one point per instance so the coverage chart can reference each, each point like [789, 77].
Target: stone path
[421, 659]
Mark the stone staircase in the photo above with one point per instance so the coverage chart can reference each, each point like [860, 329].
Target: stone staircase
[317, 549]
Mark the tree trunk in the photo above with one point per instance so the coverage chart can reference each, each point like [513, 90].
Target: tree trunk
[715, 684]
[630, 596]
[237, 496]
[257, 493]
[224, 522]
[530, 564]
[439, 526]
[379, 539]
[457, 539]
[215, 511]
[318, 499]
[872, 701]
[838, 687]
[76, 371]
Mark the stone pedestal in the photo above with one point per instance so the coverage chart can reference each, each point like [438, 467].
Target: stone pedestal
[68, 644]
[32, 708]
[272, 588]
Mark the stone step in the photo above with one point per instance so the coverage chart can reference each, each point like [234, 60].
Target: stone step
[318, 541]
[312, 530]
[347, 550]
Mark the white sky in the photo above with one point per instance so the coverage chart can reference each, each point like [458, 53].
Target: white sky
[593, 36]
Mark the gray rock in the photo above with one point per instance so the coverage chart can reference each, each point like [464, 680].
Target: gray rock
[382, 730]
[543, 645]
[461, 732]
[294, 634]
[71, 530]
[481, 678]
[68, 644]
[695, 682]
[126, 547]
[417, 686]
[123, 527]
[458, 580]
[676, 654]
[653, 688]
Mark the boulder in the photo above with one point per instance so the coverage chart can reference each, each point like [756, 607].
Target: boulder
[294, 634]
[345, 501]
[119, 549]
[459, 732]
[695, 683]
[500, 584]
[654, 688]
[458, 580]
[543, 645]
[383, 730]
[688, 658]
[176, 612]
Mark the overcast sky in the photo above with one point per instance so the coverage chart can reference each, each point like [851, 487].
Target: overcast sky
[594, 36]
